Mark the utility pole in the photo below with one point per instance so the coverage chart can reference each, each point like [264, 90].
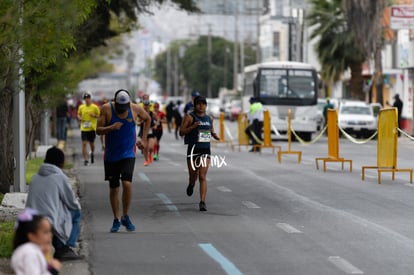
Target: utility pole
[176, 74]
[235, 51]
[19, 125]
[210, 67]
[168, 73]
[258, 13]
[290, 31]
[226, 58]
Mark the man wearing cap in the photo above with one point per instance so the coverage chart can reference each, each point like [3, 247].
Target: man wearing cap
[88, 114]
[118, 124]
[189, 107]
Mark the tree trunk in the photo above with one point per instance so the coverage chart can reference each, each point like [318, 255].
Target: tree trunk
[357, 81]
[379, 79]
[6, 140]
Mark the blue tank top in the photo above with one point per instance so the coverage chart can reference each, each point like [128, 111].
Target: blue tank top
[200, 136]
[120, 144]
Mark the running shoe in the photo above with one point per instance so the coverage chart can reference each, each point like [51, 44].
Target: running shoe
[146, 163]
[202, 206]
[115, 226]
[190, 189]
[127, 223]
[86, 163]
[156, 157]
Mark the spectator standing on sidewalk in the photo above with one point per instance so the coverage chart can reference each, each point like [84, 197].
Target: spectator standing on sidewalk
[118, 124]
[88, 114]
[399, 105]
[51, 194]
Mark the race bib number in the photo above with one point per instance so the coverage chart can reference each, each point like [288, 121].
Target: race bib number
[87, 124]
[204, 136]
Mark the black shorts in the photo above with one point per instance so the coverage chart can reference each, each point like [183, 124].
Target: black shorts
[88, 136]
[197, 153]
[123, 169]
[157, 134]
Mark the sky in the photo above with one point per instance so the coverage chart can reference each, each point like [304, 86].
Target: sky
[167, 23]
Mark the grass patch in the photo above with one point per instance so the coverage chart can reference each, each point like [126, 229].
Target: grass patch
[6, 239]
[6, 236]
[32, 166]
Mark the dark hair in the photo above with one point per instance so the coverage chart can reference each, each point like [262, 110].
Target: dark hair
[200, 99]
[24, 228]
[55, 156]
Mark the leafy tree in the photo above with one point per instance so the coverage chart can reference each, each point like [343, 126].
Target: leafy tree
[43, 34]
[365, 21]
[337, 47]
[194, 64]
[51, 33]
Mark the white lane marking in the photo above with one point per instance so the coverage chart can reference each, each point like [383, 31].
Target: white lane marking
[374, 227]
[250, 204]
[344, 265]
[223, 189]
[168, 203]
[144, 177]
[288, 228]
[174, 163]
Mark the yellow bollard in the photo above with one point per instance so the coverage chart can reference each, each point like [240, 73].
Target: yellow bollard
[242, 124]
[222, 132]
[221, 127]
[333, 142]
[267, 139]
[387, 145]
[289, 151]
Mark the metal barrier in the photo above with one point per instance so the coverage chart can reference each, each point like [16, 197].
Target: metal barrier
[333, 142]
[387, 145]
[222, 133]
[242, 124]
[267, 139]
[289, 134]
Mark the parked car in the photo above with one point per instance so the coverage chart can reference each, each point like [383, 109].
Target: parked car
[357, 118]
[235, 108]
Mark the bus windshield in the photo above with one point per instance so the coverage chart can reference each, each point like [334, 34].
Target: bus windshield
[287, 83]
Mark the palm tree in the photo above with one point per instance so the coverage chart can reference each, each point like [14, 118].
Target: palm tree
[365, 21]
[336, 48]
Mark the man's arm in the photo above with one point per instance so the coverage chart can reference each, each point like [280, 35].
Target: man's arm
[102, 127]
[145, 118]
[68, 196]
[80, 112]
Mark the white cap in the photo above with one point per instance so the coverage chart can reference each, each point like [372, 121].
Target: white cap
[122, 97]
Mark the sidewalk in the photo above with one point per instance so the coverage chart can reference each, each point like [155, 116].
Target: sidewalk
[76, 267]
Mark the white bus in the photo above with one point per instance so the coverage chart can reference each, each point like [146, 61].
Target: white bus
[281, 86]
